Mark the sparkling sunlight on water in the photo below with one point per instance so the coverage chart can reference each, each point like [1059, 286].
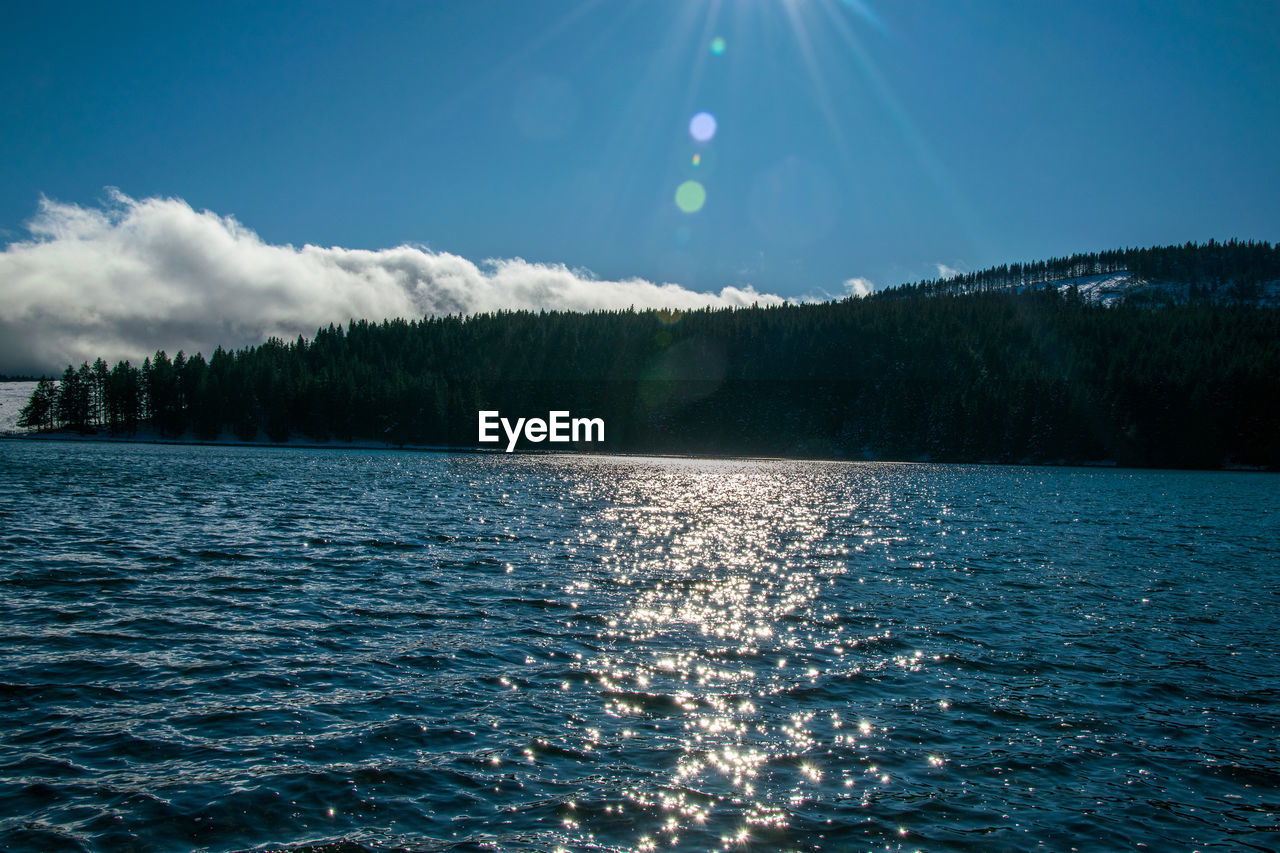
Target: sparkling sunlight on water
[234, 648]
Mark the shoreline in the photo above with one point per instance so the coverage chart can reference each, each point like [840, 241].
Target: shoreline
[300, 444]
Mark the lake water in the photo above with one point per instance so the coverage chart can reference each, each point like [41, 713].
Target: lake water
[222, 649]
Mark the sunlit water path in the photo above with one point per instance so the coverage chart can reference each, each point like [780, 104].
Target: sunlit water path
[247, 648]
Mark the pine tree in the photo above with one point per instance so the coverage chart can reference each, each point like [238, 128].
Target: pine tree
[38, 413]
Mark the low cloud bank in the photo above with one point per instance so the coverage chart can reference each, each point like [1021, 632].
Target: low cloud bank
[137, 275]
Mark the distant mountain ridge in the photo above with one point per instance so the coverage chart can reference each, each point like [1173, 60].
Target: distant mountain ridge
[1232, 273]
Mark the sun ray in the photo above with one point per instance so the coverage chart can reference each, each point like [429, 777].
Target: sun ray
[916, 142]
[864, 11]
[709, 21]
[796, 18]
[645, 112]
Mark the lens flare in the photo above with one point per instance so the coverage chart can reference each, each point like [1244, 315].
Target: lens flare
[698, 159]
[691, 196]
[717, 46]
[702, 127]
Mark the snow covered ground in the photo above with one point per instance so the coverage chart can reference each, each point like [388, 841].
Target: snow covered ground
[13, 396]
[1105, 289]
[1112, 288]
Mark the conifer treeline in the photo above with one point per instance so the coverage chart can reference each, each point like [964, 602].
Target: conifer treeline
[1001, 376]
[1230, 271]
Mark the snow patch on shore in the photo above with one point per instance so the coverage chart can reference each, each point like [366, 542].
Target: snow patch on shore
[13, 396]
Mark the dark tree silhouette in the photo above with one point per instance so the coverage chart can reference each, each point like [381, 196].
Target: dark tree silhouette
[978, 368]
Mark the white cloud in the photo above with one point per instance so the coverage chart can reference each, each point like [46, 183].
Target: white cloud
[137, 275]
[859, 287]
[945, 271]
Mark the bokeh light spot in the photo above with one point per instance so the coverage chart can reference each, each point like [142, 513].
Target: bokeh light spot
[702, 127]
[717, 46]
[691, 196]
[698, 159]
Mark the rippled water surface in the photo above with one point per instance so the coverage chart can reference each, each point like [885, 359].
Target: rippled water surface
[252, 648]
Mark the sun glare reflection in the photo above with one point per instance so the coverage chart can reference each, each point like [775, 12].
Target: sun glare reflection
[721, 648]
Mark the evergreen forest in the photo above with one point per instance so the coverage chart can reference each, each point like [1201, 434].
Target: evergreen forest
[982, 367]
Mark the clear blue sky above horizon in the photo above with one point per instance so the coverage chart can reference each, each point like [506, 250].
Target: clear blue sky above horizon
[854, 138]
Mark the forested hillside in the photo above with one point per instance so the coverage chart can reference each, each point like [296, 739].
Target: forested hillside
[917, 373]
[1234, 272]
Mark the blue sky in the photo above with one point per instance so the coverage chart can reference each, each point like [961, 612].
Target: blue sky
[854, 138]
